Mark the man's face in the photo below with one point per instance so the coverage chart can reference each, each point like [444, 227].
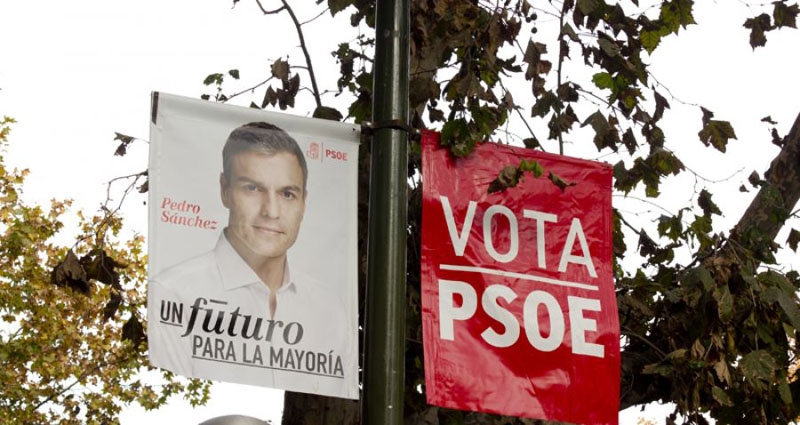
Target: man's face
[266, 201]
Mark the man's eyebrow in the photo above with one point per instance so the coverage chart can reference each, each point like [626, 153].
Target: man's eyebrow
[293, 188]
[245, 179]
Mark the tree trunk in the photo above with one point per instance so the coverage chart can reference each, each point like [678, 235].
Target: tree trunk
[783, 175]
[308, 409]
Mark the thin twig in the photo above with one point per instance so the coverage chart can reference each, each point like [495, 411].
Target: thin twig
[660, 84]
[269, 12]
[249, 89]
[558, 71]
[108, 213]
[316, 17]
[628, 332]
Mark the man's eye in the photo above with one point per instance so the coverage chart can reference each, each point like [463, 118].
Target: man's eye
[289, 194]
[251, 188]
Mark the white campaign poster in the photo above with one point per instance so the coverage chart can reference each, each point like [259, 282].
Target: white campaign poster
[252, 255]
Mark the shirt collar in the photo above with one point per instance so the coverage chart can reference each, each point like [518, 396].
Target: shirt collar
[237, 273]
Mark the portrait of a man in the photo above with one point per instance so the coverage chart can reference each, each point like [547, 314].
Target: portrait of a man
[242, 311]
[263, 186]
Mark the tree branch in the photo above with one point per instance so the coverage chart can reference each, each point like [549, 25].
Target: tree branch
[783, 175]
[304, 47]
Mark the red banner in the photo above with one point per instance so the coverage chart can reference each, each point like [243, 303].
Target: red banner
[519, 311]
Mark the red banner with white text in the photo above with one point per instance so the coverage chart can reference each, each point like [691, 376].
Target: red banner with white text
[519, 311]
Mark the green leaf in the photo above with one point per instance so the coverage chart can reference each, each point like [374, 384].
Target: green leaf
[587, 6]
[650, 40]
[665, 370]
[787, 302]
[720, 396]
[213, 79]
[717, 133]
[603, 80]
[561, 123]
[532, 166]
[661, 105]
[609, 47]
[670, 226]
[708, 206]
[665, 162]
[544, 104]
[785, 392]
[337, 6]
[784, 15]
[758, 366]
[629, 140]
[702, 275]
[722, 296]
[676, 14]
[677, 354]
[234, 73]
[457, 136]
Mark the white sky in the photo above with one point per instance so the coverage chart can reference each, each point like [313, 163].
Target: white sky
[73, 73]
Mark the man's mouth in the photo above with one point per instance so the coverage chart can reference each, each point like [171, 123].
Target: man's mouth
[268, 229]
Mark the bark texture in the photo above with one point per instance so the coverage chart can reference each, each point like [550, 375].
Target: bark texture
[308, 409]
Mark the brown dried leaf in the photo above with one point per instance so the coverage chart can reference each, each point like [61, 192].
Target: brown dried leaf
[70, 273]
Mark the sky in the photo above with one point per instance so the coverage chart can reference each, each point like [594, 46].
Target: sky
[74, 73]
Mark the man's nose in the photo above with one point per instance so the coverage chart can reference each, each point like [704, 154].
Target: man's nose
[270, 205]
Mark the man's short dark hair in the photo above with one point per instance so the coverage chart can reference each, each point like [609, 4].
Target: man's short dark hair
[261, 137]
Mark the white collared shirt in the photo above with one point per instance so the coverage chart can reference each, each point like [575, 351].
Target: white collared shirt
[212, 321]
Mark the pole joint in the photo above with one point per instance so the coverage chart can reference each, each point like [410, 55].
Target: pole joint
[369, 128]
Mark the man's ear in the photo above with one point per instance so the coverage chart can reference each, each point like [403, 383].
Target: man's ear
[224, 193]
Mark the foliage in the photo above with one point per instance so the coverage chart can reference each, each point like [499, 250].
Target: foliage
[72, 335]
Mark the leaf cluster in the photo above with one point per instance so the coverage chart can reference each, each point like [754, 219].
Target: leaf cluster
[72, 332]
[783, 15]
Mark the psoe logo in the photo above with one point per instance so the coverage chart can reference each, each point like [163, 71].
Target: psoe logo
[313, 151]
[335, 155]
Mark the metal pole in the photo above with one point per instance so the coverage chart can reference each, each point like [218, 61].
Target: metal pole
[384, 353]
